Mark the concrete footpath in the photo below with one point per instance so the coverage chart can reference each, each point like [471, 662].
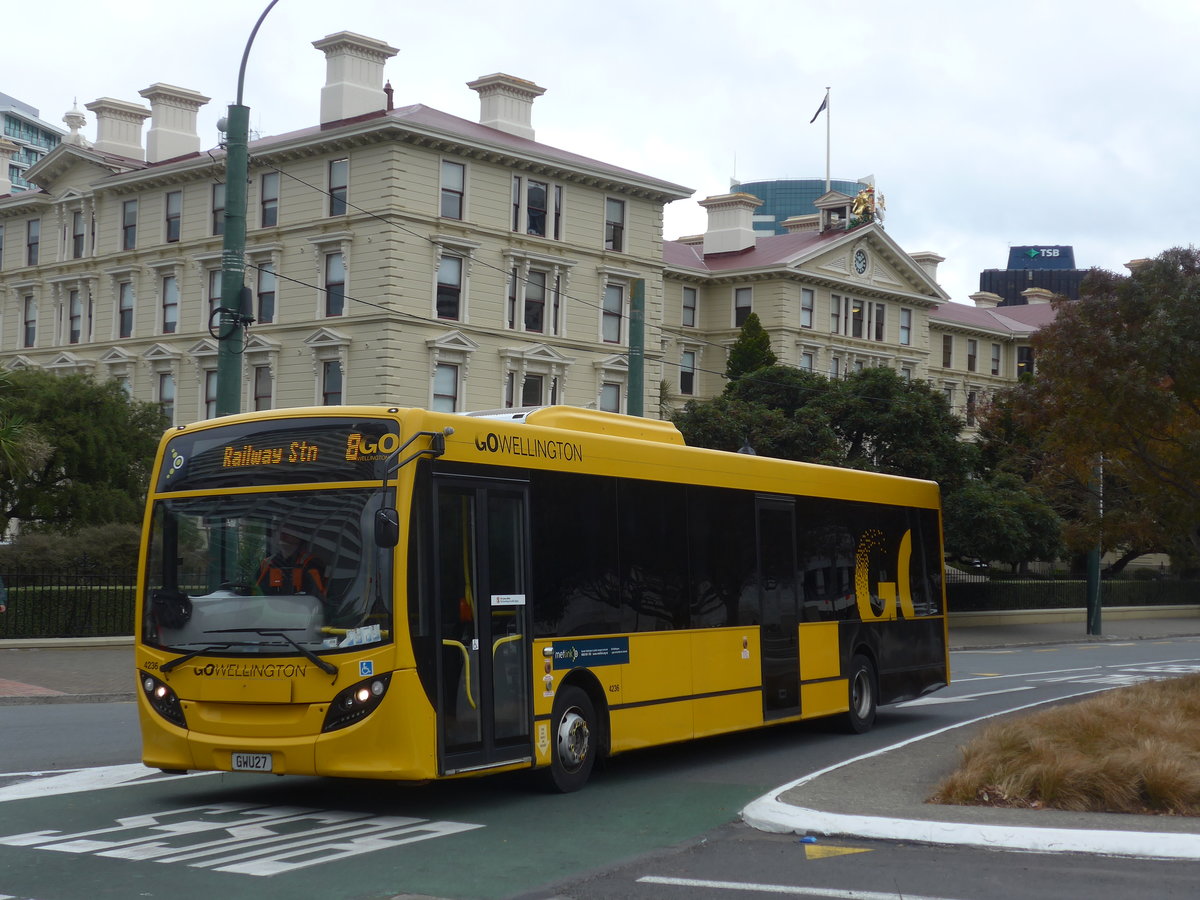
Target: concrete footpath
[878, 796]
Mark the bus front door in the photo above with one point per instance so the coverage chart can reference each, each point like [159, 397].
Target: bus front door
[779, 629]
[484, 663]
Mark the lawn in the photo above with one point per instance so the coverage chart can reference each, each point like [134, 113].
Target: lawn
[1130, 750]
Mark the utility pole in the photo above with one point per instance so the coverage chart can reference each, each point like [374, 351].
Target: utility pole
[228, 323]
[637, 349]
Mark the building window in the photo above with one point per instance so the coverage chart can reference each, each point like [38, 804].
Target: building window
[75, 316]
[335, 284]
[129, 224]
[610, 397]
[835, 367]
[454, 185]
[77, 235]
[807, 306]
[807, 361]
[125, 309]
[948, 390]
[166, 395]
[906, 374]
[262, 387]
[445, 388]
[33, 240]
[687, 372]
[995, 359]
[972, 350]
[879, 324]
[535, 301]
[214, 294]
[268, 200]
[218, 209]
[536, 195]
[29, 337]
[339, 186]
[741, 305]
[610, 318]
[689, 307]
[970, 407]
[174, 215]
[906, 327]
[331, 382]
[1, 247]
[614, 225]
[266, 293]
[856, 318]
[531, 390]
[947, 351]
[835, 314]
[170, 304]
[1024, 361]
[210, 393]
[531, 209]
[449, 287]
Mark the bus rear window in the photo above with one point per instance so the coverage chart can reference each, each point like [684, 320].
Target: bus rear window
[296, 451]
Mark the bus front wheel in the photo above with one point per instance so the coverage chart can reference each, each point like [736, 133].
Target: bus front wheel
[863, 695]
[575, 738]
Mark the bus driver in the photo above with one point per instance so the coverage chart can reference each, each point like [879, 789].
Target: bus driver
[292, 568]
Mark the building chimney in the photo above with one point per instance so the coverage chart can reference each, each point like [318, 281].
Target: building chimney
[353, 75]
[986, 299]
[1035, 295]
[730, 222]
[118, 127]
[8, 149]
[810, 222]
[506, 103]
[172, 121]
[928, 261]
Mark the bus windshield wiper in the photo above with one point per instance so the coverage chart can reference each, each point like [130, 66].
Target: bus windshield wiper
[327, 667]
[179, 660]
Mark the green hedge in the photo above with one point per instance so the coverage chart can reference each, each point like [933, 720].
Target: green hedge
[986, 596]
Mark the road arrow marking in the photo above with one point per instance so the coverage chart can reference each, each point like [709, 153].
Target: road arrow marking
[965, 698]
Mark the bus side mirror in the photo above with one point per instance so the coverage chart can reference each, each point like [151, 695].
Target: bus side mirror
[387, 527]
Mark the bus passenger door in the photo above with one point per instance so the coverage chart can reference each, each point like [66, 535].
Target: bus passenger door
[779, 623]
[484, 663]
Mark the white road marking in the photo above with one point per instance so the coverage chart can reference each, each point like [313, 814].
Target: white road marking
[786, 889]
[935, 699]
[73, 781]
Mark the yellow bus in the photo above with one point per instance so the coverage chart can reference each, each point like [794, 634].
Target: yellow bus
[528, 589]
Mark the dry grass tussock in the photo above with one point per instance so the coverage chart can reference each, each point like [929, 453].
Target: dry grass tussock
[1132, 750]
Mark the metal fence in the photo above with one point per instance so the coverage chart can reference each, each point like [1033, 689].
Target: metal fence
[67, 604]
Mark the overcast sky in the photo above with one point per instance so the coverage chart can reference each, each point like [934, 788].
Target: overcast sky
[985, 124]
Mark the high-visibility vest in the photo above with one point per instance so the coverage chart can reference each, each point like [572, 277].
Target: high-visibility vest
[275, 575]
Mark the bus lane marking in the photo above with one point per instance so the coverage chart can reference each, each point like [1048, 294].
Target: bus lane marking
[241, 838]
[786, 889]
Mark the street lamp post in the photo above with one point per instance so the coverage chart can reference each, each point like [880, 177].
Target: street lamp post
[233, 315]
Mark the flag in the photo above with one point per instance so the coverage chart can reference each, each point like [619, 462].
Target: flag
[820, 109]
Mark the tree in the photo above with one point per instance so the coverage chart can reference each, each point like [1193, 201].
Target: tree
[1003, 520]
[1118, 388]
[87, 450]
[751, 351]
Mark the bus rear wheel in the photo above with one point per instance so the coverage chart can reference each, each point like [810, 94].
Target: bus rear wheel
[575, 740]
[864, 697]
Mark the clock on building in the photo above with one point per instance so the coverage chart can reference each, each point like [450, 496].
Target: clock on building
[860, 261]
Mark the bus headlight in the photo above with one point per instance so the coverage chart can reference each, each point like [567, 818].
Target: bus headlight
[162, 699]
[356, 702]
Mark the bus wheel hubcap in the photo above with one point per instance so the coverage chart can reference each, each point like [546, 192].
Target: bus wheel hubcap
[572, 739]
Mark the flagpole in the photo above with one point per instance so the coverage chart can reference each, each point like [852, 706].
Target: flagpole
[828, 116]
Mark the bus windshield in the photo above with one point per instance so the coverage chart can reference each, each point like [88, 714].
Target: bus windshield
[285, 573]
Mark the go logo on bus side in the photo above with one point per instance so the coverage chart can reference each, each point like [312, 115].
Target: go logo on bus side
[881, 606]
[358, 447]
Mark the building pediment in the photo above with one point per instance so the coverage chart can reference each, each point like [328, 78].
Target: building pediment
[867, 260]
[326, 337]
[161, 353]
[205, 347]
[68, 167]
[536, 353]
[453, 340]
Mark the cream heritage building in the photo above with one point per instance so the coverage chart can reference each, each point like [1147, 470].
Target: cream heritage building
[404, 256]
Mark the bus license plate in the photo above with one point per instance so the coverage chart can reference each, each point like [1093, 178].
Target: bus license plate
[252, 762]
